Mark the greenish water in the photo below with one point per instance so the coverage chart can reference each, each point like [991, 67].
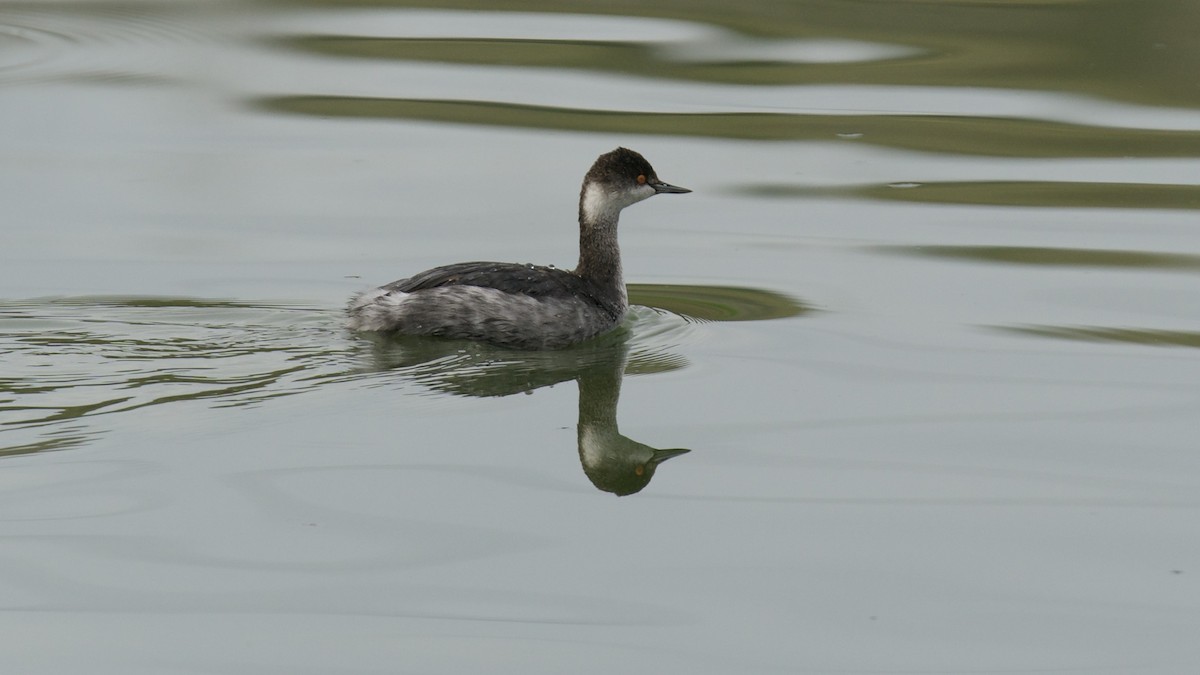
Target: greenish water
[1013, 193]
[909, 384]
[925, 133]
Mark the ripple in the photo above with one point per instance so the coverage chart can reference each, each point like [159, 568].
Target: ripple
[44, 440]
[658, 325]
[1057, 194]
[93, 43]
[24, 46]
[648, 339]
[67, 360]
[737, 50]
[112, 23]
[1055, 257]
[1145, 53]
[1137, 336]
[1135, 55]
[956, 134]
[718, 303]
[724, 58]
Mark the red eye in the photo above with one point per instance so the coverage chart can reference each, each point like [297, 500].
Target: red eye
[641, 179]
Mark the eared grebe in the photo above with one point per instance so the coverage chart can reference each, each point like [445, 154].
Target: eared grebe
[526, 306]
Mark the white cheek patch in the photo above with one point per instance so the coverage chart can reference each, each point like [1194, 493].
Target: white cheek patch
[597, 204]
[593, 445]
[643, 192]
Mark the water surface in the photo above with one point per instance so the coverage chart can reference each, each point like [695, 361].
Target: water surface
[910, 385]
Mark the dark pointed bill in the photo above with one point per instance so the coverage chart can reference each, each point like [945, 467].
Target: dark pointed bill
[663, 454]
[666, 188]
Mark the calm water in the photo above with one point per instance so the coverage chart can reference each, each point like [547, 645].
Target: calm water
[911, 387]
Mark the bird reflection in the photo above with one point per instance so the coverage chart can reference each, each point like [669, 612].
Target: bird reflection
[614, 463]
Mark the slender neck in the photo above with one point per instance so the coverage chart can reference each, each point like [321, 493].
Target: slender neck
[599, 390]
[599, 253]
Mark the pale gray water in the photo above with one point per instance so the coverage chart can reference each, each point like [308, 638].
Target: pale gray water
[928, 326]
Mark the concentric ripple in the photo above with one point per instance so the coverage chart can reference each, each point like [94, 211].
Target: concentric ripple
[70, 360]
[23, 47]
[95, 42]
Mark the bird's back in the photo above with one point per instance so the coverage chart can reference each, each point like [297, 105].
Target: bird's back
[513, 305]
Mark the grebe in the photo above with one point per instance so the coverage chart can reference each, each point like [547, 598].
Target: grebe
[526, 306]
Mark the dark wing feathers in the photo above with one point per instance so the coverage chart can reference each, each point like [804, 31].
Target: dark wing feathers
[531, 280]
